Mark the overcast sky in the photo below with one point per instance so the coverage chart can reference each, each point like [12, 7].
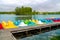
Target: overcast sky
[39, 5]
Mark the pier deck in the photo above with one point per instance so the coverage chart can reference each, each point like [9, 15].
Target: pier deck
[6, 35]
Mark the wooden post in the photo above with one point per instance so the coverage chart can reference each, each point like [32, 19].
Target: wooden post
[57, 26]
[27, 33]
[50, 29]
[40, 30]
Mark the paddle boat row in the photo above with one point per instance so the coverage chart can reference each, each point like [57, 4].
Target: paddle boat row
[23, 23]
[54, 19]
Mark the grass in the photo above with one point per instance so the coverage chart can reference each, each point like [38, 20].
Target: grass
[55, 38]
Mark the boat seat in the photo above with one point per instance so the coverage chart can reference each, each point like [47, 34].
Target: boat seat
[1, 27]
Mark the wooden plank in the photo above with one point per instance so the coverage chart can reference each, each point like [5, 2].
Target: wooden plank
[6, 35]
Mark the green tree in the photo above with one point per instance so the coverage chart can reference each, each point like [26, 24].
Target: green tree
[23, 10]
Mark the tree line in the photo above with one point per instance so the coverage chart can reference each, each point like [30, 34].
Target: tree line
[27, 11]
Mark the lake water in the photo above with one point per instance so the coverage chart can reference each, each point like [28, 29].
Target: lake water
[45, 16]
[6, 17]
[43, 36]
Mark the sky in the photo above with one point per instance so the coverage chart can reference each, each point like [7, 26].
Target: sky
[38, 5]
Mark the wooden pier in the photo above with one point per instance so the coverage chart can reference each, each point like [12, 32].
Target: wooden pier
[7, 34]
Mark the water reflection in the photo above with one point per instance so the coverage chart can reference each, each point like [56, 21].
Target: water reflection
[43, 36]
[45, 16]
[6, 17]
[12, 17]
